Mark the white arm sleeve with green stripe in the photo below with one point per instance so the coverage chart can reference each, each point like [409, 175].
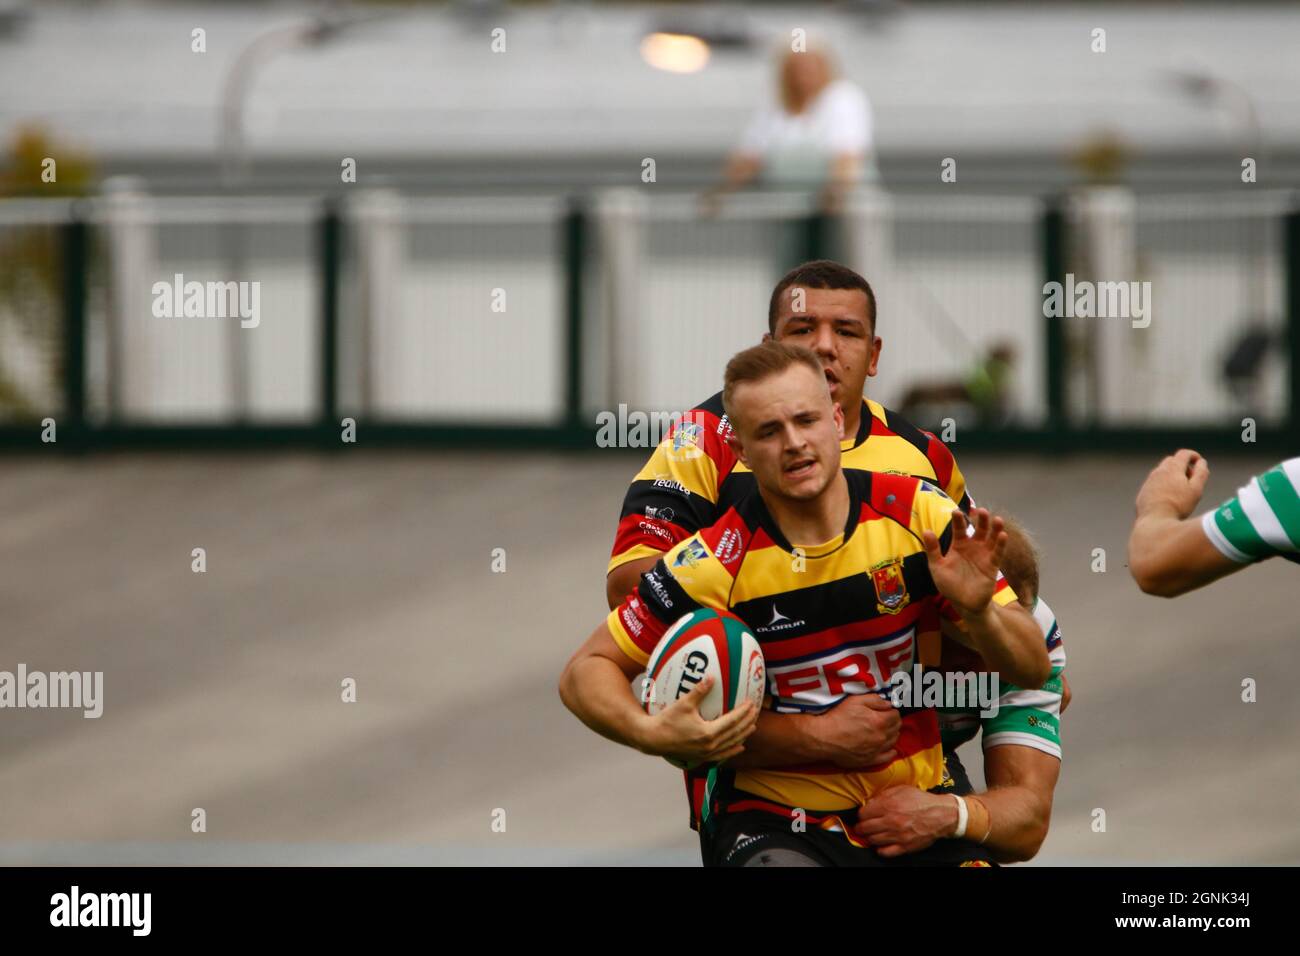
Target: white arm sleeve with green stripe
[1032, 718]
[1263, 520]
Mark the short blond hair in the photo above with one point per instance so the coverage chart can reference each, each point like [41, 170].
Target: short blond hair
[1020, 562]
[763, 361]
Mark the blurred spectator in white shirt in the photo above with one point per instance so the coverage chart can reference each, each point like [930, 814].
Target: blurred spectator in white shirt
[817, 138]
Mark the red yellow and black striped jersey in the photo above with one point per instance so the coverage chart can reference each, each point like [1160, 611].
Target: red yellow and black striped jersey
[693, 476]
[834, 619]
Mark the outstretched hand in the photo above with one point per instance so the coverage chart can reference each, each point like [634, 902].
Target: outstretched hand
[968, 573]
[1175, 485]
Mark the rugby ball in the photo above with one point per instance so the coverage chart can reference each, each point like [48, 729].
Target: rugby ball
[702, 643]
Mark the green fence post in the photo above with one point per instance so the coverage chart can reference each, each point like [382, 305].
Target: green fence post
[575, 250]
[331, 229]
[1291, 250]
[818, 238]
[1053, 227]
[75, 265]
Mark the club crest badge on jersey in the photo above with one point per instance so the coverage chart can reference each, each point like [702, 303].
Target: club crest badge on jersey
[891, 587]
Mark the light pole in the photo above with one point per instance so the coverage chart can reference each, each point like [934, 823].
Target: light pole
[309, 33]
[233, 146]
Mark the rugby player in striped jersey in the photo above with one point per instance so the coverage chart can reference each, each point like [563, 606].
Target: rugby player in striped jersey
[693, 476]
[1170, 552]
[835, 614]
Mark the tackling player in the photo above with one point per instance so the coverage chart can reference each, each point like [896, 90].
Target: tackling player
[1171, 553]
[835, 617]
[1022, 751]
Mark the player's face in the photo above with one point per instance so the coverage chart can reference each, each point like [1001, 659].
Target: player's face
[834, 324]
[788, 432]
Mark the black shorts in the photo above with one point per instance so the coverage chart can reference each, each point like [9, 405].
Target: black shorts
[762, 838]
[956, 774]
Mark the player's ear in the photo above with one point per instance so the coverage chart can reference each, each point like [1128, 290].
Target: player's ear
[736, 448]
[873, 355]
[767, 337]
[839, 420]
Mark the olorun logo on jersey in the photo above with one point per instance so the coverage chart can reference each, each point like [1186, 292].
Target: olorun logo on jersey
[891, 586]
[779, 622]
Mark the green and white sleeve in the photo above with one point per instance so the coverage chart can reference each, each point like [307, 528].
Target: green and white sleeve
[1032, 718]
[1263, 520]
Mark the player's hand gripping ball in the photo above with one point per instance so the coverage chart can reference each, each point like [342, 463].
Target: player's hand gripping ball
[703, 643]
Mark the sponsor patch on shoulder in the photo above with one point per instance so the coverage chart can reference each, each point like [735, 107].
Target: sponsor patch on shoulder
[666, 481]
[728, 549]
[927, 486]
[656, 585]
[687, 441]
[692, 552]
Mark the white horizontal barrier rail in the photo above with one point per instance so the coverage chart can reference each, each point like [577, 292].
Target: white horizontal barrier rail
[485, 210]
[1197, 206]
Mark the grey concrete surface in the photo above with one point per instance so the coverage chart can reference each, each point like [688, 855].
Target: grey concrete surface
[222, 690]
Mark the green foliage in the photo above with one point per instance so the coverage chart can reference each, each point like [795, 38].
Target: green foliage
[30, 257]
[21, 172]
